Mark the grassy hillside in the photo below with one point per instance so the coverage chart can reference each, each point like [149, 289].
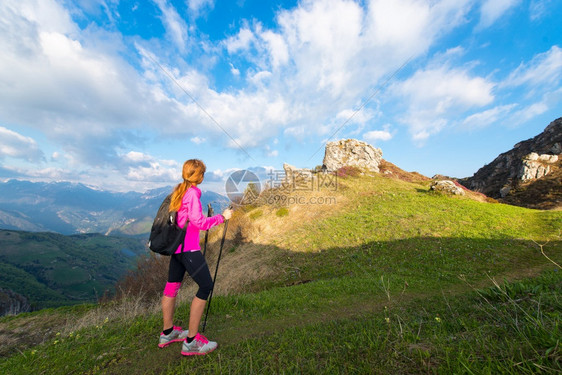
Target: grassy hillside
[386, 278]
[53, 270]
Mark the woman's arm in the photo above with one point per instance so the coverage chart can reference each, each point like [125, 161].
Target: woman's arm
[195, 212]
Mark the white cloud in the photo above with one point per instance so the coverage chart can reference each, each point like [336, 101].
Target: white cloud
[136, 157]
[259, 78]
[492, 10]
[175, 26]
[154, 172]
[320, 61]
[425, 22]
[528, 113]
[197, 140]
[354, 116]
[442, 88]
[543, 69]
[488, 117]
[143, 167]
[550, 99]
[271, 153]
[50, 14]
[303, 77]
[17, 146]
[240, 42]
[436, 95]
[538, 9]
[377, 135]
[53, 83]
[197, 6]
[278, 50]
[234, 71]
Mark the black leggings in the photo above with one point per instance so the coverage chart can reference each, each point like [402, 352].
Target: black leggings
[196, 266]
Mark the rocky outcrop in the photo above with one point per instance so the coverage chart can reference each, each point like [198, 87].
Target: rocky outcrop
[536, 166]
[351, 152]
[448, 187]
[529, 160]
[296, 177]
[12, 303]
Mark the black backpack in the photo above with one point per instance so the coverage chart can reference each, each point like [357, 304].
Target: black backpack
[165, 234]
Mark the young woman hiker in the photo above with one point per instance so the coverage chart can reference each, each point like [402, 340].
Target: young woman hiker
[186, 201]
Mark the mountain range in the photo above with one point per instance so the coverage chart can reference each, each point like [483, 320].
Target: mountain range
[71, 208]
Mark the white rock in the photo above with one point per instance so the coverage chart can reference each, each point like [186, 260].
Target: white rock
[504, 191]
[447, 186]
[533, 156]
[548, 158]
[351, 152]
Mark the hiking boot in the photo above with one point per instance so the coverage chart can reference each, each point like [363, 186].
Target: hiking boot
[176, 335]
[199, 346]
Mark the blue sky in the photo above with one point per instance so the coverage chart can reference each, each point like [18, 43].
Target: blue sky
[117, 94]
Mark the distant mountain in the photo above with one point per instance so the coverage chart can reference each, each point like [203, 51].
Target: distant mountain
[528, 175]
[70, 208]
[39, 270]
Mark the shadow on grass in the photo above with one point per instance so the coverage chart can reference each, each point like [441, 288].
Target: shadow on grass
[428, 261]
[307, 288]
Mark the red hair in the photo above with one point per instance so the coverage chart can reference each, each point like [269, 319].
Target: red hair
[192, 173]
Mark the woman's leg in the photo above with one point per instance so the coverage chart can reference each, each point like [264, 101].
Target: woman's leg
[176, 271]
[197, 268]
[195, 314]
[168, 307]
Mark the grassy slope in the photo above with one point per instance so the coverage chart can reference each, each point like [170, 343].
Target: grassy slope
[386, 282]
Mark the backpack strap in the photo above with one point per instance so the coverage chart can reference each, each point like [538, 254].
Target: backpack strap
[184, 228]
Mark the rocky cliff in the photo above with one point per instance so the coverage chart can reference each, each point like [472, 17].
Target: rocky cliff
[12, 303]
[533, 163]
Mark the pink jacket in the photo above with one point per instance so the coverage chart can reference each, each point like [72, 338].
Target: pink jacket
[191, 209]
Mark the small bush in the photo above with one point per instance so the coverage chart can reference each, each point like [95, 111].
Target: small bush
[146, 281]
[348, 171]
[256, 214]
[283, 211]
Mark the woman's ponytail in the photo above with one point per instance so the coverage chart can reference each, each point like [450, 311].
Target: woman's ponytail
[192, 173]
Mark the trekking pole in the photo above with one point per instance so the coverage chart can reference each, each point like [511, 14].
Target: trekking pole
[209, 214]
[215, 278]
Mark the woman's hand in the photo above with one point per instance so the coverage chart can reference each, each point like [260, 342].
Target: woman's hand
[227, 214]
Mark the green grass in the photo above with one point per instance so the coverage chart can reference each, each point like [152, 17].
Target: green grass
[401, 281]
[384, 209]
[281, 212]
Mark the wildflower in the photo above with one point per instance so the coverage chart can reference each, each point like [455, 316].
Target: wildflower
[387, 320]
[438, 319]
[33, 352]
[58, 334]
[106, 320]
[56, 342]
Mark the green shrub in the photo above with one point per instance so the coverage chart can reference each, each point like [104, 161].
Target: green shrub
[283, 211]
[256, 214]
